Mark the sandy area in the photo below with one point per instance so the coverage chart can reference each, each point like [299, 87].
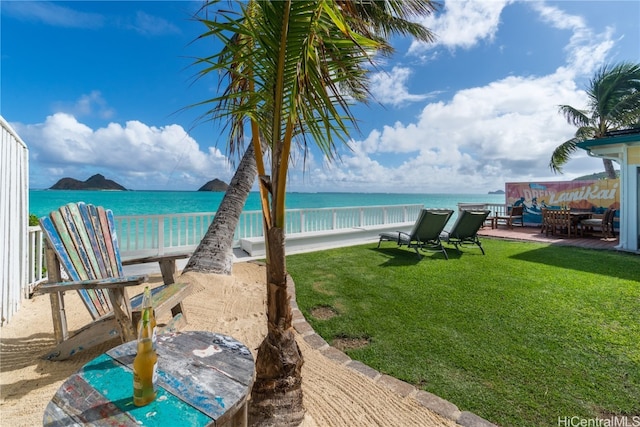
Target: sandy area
[334, 394]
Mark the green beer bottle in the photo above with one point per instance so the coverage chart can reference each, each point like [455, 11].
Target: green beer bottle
[145, 365]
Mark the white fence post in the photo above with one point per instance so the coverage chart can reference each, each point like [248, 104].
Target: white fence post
[161, 243]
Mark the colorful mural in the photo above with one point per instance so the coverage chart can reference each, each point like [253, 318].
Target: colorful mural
[593, 195]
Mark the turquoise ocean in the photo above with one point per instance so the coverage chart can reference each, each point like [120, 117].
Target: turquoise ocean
[41, 202]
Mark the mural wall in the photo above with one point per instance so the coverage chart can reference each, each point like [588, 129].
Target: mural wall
[594, 196]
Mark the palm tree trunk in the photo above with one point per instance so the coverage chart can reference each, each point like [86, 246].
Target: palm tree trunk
[276, 396]
[608, 168]
[214, 254]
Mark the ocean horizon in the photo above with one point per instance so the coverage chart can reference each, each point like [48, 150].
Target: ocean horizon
[161, 202]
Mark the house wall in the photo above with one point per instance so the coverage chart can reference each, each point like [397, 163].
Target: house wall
[623, 148]
[630, 214]
[14, 220]
[629, 160]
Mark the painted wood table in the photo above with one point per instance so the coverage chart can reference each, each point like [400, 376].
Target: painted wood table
[204, 379]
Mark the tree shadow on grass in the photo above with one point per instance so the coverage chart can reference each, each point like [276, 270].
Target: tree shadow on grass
[616, 264]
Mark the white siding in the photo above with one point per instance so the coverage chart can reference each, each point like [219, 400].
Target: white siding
[14, 220]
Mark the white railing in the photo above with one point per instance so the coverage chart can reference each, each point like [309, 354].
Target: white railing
[37, 268]
[146, 235]
[495, 208]
[140, 235]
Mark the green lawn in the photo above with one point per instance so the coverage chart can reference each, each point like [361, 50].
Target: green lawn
[521, 336]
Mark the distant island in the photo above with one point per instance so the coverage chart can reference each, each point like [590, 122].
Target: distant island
[497, 192]
[214, 185]
[96, 182]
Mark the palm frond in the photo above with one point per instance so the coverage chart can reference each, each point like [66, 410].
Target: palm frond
[562, 154]
[574, 116]
[613, 103]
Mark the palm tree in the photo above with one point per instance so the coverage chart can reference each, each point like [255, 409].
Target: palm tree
[288, 60]
[373, 19]
[214, 253]
[614, 104]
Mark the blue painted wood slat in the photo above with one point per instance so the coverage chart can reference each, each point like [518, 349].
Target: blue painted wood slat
[98, 299]
[114, 239]
[60, 242]
[103, 304]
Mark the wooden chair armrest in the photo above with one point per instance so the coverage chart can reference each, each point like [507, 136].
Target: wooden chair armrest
[156, 258]
[109, 283]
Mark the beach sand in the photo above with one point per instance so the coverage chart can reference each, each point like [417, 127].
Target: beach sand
[337, 392]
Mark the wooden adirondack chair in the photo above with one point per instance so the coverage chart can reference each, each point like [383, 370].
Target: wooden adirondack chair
[81, 241]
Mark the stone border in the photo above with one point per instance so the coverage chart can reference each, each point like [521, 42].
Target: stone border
[428, 400]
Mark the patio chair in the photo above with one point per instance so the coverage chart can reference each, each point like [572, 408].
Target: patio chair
[82, 254]
[425, 234]
[515, 215]
[602, 222]
[546, 221]
[612, 219]
[465, 229]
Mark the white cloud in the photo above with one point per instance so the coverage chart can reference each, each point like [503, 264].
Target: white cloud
[153, 26]
[136, 155]
[52, 14]
[391, 88]
[586, 50]
[463, 23]
[92, 104]
[484, 136]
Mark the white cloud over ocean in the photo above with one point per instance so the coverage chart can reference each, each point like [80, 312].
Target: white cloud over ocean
[134, 154]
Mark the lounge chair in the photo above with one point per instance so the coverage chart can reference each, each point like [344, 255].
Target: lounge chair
[425, 234]
[465, 229]
[82, 254]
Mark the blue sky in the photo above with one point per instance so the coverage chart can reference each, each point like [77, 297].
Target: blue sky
[101, 87]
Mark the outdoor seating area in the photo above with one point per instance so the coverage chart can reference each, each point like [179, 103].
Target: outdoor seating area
[534, 234]
[577, 223]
